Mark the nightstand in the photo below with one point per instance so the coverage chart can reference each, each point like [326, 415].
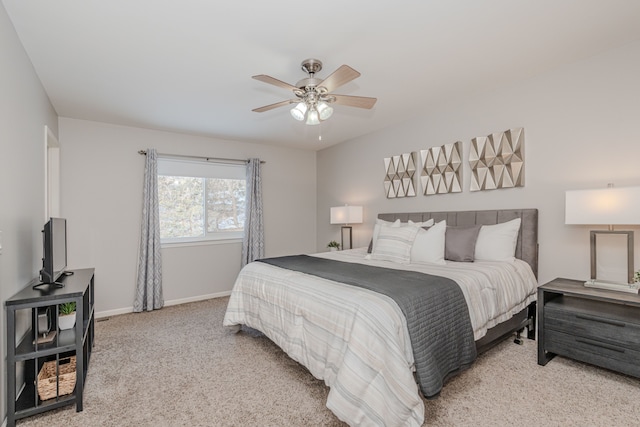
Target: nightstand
[595, 326]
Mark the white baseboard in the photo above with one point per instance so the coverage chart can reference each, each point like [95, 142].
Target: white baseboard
[108, 313]
[197, 298]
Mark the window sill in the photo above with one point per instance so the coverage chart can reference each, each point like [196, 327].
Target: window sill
[200, 243]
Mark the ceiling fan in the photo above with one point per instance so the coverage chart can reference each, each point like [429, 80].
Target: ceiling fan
[313, 96]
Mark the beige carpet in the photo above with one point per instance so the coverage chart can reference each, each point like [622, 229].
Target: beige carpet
[179, 367]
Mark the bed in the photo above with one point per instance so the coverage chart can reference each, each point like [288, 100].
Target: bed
[364, 343]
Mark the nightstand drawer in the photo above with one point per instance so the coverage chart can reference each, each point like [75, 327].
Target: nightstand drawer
[595, 352]
[600, 321]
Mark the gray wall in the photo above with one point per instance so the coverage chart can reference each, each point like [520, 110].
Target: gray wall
[101, 181]
[581, 131]
[24, 111]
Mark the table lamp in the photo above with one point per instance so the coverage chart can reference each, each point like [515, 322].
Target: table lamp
[346, 215]
[608, 206]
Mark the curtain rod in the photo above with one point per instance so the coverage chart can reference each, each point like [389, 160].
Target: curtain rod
[207, 159]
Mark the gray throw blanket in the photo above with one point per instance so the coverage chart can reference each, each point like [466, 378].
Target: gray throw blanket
[435, 309]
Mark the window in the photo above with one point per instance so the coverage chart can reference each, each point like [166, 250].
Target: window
[200, 200]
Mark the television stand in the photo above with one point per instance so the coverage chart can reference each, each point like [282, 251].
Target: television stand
[54, 285]
[28, 380]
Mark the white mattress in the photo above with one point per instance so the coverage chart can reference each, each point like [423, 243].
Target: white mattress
[356, 340]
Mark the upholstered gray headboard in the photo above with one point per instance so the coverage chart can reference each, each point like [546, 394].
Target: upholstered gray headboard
[527, 246]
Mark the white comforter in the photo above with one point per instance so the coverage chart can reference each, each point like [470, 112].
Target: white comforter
[356, 340]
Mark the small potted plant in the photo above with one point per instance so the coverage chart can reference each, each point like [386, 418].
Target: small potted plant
[67, 315]
[333, 245]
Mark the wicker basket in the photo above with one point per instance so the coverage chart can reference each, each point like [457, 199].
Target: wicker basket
[47, 378]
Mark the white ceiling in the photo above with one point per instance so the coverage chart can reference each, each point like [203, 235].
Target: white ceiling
[186, 65]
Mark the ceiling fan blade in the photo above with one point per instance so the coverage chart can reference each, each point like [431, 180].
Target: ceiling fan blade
[273, 81]
[355, 101]
[272, 106]
[339, 77]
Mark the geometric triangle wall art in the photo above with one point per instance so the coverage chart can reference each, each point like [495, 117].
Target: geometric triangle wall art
[441, 169]
[399, 178]
[497, 160]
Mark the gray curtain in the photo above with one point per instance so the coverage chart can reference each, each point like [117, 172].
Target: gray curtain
[253, 242]
[149, 284]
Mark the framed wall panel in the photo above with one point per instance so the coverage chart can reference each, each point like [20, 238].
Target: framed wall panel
[441, 170]
[497, 160]
[400, 171]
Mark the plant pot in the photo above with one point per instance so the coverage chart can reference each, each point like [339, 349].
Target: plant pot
[67, 321]
[333, 249]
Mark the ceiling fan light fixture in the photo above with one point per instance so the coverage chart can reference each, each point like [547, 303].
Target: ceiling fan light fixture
[314, 96]
[324, 110]
[298, 112]
[312, 117]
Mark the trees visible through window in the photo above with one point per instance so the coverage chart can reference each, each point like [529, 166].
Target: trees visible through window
[200, 201]
[225, 204]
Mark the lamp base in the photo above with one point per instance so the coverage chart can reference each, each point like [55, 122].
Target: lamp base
[620, 287]
[346, 235]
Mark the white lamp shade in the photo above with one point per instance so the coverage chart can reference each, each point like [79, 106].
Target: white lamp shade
[607, 206]
[312, 117]
[346, 215]
[299, 111]
[324, 110]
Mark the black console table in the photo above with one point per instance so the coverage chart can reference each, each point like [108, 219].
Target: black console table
[26, 354]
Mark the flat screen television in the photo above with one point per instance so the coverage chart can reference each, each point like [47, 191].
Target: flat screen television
[54, 253]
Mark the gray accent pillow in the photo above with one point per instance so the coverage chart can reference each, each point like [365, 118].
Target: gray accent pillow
[460, 243]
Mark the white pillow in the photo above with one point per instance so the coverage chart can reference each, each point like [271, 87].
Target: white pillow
[394, 244]
[396, 223]
[376, 230]
[497, 242]
[428, 247]
[427, 223]
[379, 222]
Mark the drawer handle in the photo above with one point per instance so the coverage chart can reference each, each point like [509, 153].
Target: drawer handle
[595, 319]
[600, 344]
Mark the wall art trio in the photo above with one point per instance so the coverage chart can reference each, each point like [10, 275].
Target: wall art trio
[496, 161]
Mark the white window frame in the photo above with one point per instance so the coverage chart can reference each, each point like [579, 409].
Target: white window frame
[201, 168]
